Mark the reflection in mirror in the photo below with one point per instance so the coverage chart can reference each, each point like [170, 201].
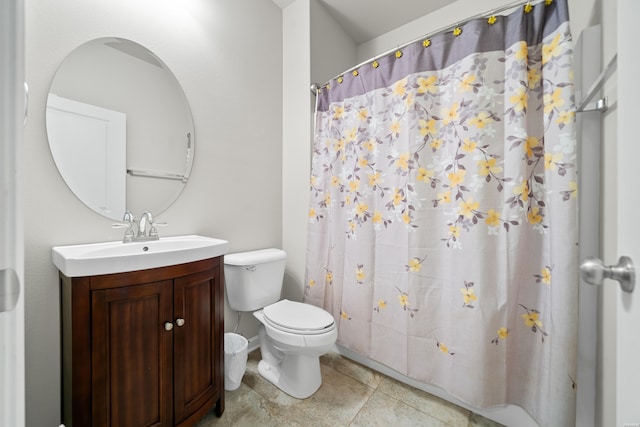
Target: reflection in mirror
[120, 129]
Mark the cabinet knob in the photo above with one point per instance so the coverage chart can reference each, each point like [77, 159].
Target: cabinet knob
[168, 326]
[180, 322]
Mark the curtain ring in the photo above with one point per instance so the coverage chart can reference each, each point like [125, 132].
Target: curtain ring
[528, 7]
[491, 19]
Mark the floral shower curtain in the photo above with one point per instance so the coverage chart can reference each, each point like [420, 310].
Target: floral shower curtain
[443, 234]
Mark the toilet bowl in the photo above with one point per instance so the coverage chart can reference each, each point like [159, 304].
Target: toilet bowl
[293, 335]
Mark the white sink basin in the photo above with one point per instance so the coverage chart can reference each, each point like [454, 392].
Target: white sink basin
[117, 257]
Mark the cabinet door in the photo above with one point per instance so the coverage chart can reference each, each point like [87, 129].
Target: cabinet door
[132, 362]
[195, 361]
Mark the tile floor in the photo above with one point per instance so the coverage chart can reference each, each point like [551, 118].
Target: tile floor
[350, 395]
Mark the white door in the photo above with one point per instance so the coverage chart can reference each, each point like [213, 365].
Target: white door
[12, 393]
[627, 305]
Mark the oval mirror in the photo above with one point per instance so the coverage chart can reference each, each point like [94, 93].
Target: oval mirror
[119, 128]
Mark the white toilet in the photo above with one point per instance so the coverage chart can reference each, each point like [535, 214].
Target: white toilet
[293, 335]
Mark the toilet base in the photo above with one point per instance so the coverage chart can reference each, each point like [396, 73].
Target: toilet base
[296, 371]
[297, 375]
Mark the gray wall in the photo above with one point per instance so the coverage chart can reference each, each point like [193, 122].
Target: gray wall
[227, 55]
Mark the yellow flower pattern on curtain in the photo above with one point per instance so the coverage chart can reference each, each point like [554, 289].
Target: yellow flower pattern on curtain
[443, 218]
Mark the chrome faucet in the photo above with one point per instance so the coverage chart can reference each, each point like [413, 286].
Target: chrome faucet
[138, 230]
[145, 227]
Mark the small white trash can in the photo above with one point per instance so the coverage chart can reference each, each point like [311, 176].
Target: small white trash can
[235, 360]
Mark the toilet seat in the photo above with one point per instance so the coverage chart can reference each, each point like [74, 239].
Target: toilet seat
[298, 318]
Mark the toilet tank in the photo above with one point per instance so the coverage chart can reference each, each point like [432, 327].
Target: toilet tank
[253, 280]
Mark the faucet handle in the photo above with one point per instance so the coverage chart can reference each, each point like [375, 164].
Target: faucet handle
[127, 221]
[128, 234]
[153, 232]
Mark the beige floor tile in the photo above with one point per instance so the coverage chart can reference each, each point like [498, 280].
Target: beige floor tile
[478, 421]
[351, 395]
[246, 408]
[353, 369]
[434, 406]
[383, 410]
[336, 403]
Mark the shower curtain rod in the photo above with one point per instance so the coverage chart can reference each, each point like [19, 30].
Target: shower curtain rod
[601, 104]
[316, 86]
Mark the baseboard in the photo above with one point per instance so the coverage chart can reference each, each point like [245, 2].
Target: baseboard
[254, 343]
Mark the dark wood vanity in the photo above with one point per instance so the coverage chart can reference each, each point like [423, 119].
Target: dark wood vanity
[143, 348]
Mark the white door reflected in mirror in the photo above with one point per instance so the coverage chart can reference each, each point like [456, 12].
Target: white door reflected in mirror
[88, 144]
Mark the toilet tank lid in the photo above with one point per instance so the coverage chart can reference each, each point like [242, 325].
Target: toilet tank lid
[255, 257]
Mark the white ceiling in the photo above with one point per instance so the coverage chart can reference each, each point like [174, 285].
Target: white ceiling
[364, 20]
